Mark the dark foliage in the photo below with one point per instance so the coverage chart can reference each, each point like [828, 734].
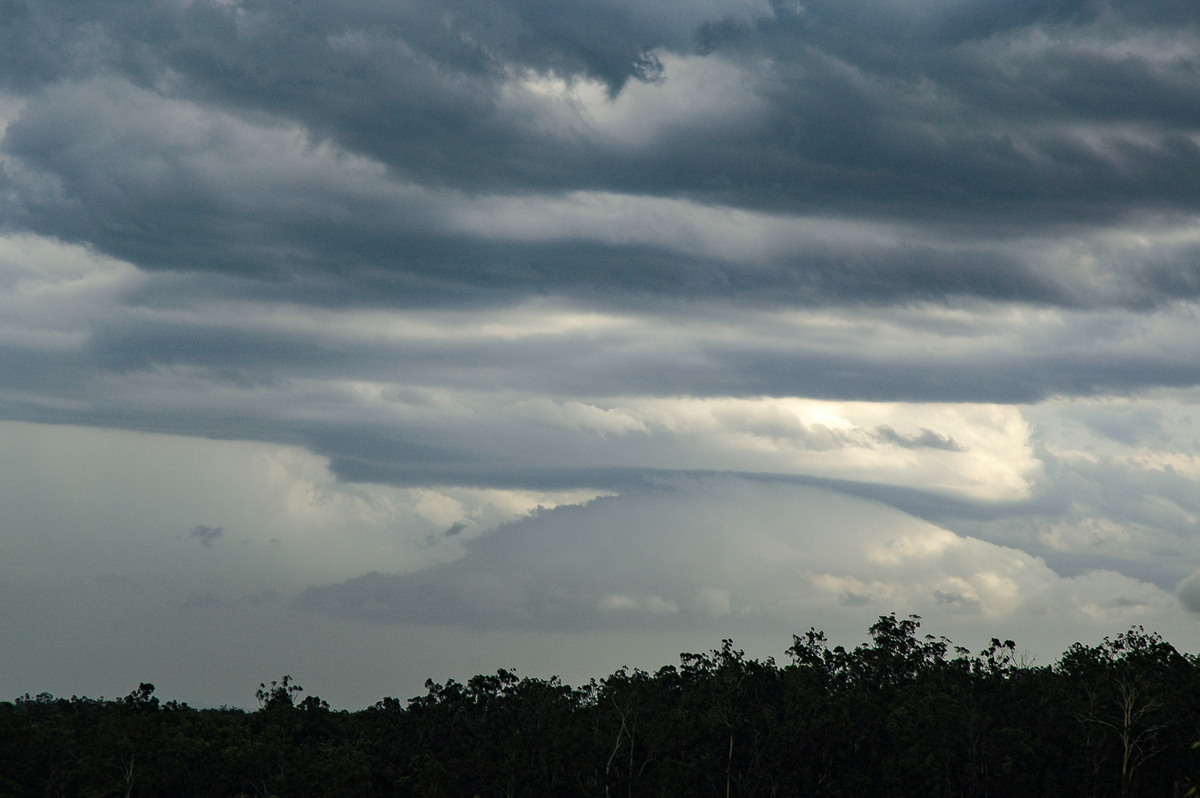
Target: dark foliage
[903, 715]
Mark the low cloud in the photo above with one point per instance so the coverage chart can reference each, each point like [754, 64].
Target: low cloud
[1189, 593]
[925, 439]
[207, 535]
[704, 554]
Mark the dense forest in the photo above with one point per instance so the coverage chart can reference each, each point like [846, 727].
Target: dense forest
[903, 715]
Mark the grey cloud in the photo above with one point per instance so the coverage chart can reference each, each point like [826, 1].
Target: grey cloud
[1128, 425]
[959, 602]
[401, 467]
[1126, 601]
[850, 599]
[1096, 513]
[207, 535]
[1011, 378]
[162, 185]
[873, 109]
[195, 174]
[255, 43]
[1188, 593]
[927, 439]
[616, 364]
[1162, 498]
[271, 386]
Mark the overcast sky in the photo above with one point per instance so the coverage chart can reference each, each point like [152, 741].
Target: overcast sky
[369, 341]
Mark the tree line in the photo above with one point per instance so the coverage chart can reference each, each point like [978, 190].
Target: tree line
[903, 715]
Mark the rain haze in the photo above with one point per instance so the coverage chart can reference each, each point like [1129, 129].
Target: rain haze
[370, 341]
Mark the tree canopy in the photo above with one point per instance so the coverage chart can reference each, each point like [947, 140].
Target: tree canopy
[905, 714]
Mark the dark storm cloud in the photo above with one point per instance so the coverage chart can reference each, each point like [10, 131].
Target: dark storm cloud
[1009, 378]
[47, 40]
[872, 106]
[989, 119]
[167, 189]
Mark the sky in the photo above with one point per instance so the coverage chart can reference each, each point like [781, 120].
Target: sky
[371, 341]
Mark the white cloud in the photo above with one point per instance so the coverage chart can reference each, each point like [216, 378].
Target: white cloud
[741, 558]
